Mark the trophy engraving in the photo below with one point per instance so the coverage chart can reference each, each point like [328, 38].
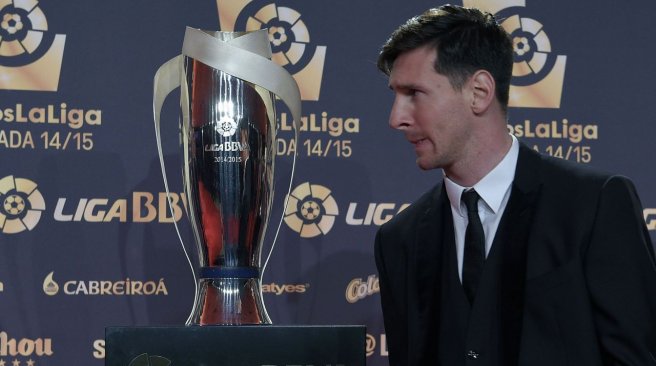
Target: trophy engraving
[228, 87]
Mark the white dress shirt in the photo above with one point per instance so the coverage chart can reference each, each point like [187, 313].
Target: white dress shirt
[494, 190]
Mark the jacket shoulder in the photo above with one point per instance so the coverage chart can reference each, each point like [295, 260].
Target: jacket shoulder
[406, 220]
[559, 173]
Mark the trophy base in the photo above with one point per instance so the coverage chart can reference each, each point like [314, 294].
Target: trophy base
[229, 301]
[236, 346]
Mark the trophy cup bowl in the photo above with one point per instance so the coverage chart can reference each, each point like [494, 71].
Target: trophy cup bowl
[228, 129]
[230, 143]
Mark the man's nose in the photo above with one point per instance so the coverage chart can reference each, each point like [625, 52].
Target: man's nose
[399, 118]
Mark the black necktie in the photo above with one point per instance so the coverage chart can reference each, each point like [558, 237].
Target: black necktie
[474, 257]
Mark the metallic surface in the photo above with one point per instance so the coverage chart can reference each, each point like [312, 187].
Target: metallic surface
[229, 136]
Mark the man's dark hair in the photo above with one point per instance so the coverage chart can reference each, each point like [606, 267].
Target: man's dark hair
[466, 40]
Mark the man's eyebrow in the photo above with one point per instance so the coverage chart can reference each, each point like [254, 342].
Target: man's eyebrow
[403, 86]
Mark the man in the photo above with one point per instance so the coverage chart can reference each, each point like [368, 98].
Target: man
[515, 258]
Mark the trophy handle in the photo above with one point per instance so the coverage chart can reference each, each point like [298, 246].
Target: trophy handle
[284, 209]
[167, 79]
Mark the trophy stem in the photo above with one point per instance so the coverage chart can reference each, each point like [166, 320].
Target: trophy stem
[230, 301]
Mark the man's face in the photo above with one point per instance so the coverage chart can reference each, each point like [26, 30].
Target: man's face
[435, 118]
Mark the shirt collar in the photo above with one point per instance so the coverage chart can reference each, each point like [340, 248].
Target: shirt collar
[492, 187]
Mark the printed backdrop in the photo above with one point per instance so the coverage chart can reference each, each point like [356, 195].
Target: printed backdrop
[86, 240]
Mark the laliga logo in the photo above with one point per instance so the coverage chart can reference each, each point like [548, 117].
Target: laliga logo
[21, 205]
[30, 56]
[538, 74]
[226, 126]
[289, 37]
[311, 210]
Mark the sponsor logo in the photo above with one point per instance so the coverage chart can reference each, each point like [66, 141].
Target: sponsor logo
[311, 210]
[289, 36]
[30, 54]
[274, 288]
[23, 350]
[21, 205]
[358, 289]
[650, 218]
[372, 345]
[125, 287]
[50, 287]
[538, 73]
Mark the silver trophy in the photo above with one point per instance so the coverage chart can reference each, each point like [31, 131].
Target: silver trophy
[228, 86]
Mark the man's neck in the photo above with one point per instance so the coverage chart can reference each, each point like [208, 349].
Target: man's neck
[478, 163]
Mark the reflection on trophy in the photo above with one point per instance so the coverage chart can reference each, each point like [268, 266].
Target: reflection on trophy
[228, 121]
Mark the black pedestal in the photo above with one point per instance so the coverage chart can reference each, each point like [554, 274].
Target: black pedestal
[235, 346]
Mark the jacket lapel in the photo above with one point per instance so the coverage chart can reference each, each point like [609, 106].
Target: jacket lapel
[427, 254]
[512, 239]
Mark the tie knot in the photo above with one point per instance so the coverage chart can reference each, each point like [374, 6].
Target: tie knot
[470, 198]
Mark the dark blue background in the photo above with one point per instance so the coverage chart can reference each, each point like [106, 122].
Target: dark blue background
[111, 54]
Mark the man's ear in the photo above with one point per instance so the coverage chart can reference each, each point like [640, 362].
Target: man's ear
[483, 90]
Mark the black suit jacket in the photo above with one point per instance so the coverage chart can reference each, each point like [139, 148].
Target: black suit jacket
[575, 243]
